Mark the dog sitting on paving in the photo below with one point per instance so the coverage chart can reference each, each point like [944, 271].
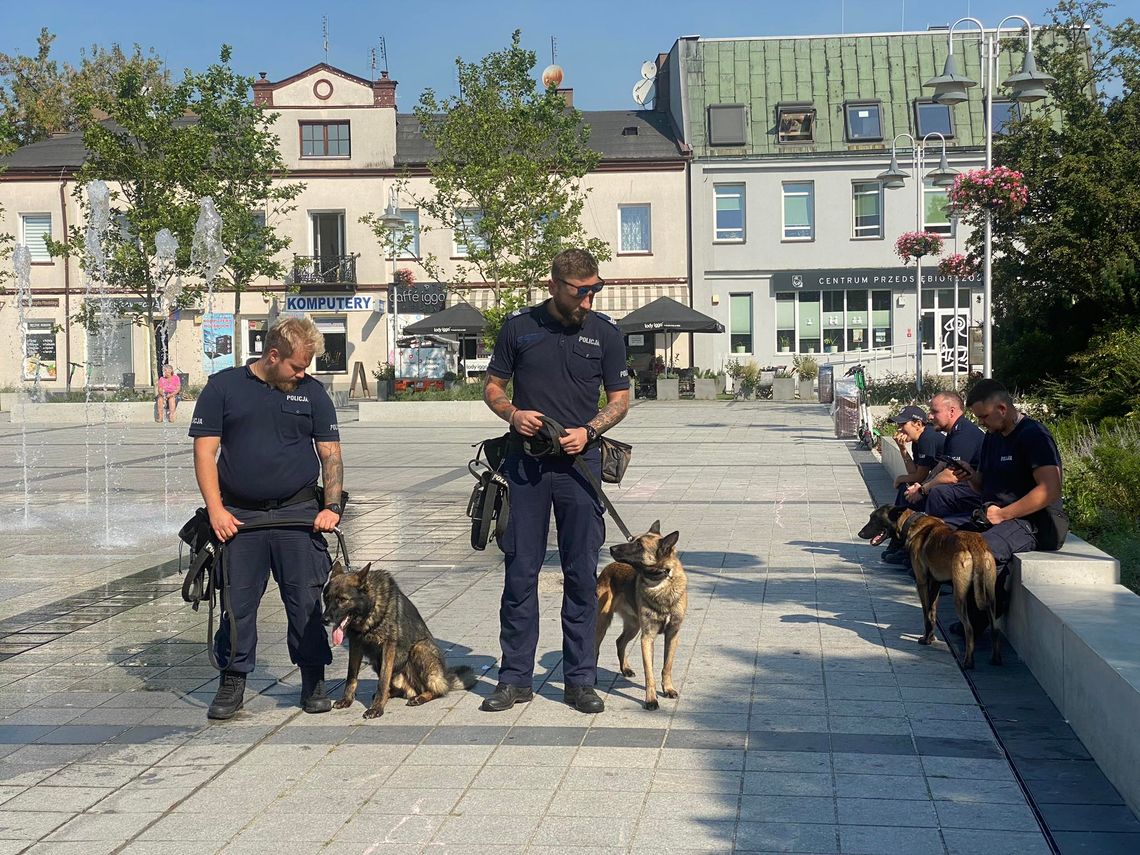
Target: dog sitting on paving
[941, 554]
[646, 585]
[383, 625]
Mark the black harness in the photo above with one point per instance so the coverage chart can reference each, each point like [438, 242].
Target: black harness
[914, 517]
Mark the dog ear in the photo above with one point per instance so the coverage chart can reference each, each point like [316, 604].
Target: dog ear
[667, 544]
[656, 527]
[362, 573]
[894, 513]
[337, 568]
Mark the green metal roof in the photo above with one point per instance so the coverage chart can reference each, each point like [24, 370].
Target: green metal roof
[830, 71]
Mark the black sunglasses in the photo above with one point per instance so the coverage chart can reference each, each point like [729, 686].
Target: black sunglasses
[583, 290]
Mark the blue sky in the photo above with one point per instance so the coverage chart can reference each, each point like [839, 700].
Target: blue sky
[601, 45]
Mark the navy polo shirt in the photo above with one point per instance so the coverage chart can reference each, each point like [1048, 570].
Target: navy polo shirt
[558, 370]
[927, 447]
[1008, 461]
[267, 435]
[964, 442]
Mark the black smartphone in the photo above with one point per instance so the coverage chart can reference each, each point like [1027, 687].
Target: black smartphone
[951, 462]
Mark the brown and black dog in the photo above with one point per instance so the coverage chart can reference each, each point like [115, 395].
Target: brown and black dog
[383, 625]
[940, 554]
[647, 587]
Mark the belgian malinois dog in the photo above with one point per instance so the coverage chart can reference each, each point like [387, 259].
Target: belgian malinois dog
[383, 625]
[646, 585]
[941, 554]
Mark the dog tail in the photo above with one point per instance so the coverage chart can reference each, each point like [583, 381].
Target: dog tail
[461, 678]
[984, 575]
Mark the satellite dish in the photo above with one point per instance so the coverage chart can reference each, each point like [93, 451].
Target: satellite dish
[552, 76]
[649, 69]
[644, 91]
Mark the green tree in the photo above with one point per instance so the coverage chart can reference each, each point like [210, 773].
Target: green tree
[1067, 266]
[165, 149]
[40, 96]
[507, 177]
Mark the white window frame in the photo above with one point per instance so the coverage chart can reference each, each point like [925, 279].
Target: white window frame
[412, 215]
[728, 235]
[855, 211]
[460, 250]
[784, 196]
[39, 254]
[648, 250]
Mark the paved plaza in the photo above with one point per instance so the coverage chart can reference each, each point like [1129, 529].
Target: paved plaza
[809, 720]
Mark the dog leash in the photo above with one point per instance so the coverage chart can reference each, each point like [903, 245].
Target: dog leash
[552, 432]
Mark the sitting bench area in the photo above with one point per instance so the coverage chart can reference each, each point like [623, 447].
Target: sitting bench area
[1074, 625]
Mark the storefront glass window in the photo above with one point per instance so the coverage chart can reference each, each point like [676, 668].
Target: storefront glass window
[785, 323]
[335, 357]
[809, 324]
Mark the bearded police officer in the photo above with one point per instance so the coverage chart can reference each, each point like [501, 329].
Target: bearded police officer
[559, 353]
[276, 430]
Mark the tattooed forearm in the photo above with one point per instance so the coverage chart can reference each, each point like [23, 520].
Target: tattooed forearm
[495, 396]
[617, 405]
[332, 471]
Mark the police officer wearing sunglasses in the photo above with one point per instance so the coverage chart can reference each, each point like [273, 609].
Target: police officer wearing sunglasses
[559, 354]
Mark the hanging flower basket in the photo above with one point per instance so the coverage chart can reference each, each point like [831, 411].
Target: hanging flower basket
[404, 276]
[1001, 190]
[917, 244]
[958, 265]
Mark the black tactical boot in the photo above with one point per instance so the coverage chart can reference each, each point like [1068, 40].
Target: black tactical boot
[506, 696]
[230, 696]
[584, 699]
[313, 697]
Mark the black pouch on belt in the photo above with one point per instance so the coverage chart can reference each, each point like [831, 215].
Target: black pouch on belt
[489, 505]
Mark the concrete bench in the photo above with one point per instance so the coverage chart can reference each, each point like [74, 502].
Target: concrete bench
[1075, 627]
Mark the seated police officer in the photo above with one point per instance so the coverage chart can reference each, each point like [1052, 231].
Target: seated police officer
[925, 446]
[265, 419]
[945, 497]
[1018, 481]
[559, 354]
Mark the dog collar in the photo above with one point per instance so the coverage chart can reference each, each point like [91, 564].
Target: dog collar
[911, 520]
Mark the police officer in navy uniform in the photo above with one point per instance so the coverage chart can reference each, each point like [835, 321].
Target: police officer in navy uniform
[1018, 481]
[559, 353]
[276, 430]
[945, 497]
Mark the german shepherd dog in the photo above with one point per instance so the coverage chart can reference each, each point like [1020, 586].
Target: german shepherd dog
[941, 554]
[646, 585]
[383, 625]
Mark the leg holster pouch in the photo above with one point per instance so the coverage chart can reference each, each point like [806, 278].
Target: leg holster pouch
[489, 505]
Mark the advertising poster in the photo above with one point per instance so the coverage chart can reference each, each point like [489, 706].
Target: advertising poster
[217, 342]
[39, 351]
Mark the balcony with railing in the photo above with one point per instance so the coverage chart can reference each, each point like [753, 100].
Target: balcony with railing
[324, 272]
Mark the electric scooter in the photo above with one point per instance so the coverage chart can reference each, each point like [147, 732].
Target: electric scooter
[866, 432]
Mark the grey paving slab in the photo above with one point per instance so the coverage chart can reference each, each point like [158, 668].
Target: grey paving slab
[808, 719]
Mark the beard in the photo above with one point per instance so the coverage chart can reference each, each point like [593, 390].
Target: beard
[284, 383]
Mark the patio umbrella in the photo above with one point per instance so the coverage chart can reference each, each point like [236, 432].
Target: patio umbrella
[668, 316]
[460, 319]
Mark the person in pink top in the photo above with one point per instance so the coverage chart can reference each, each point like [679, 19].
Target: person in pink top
[169, 385]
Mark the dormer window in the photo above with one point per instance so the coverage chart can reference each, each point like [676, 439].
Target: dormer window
[864, 121]
[795, 123]
[726, 125]
[325, 139]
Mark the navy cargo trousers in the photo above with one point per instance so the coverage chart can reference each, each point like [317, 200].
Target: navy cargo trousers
[537, 485]
[298, 559]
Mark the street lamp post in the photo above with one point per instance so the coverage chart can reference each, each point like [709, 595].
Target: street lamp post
[394, 223]
[1025, 86]
[894, 178]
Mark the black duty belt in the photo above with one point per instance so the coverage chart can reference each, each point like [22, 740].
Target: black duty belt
[305, 494]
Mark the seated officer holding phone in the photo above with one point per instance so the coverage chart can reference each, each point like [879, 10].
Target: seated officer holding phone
[945, 497]
[1018, 482]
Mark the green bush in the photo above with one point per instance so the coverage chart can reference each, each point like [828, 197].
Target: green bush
[889, 387]
[1105, 379]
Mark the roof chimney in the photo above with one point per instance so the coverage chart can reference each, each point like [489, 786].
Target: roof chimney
[262, 91]
[384, 91]
[567, 96]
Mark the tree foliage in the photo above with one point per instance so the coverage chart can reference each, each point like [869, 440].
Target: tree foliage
[1067, 266]
[516, 155]
[40, 96]
[161, 150]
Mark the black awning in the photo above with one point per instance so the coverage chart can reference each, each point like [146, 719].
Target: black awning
[460, 319]
[667, 315]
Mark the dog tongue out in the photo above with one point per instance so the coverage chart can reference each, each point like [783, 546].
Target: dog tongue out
[338, 633]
